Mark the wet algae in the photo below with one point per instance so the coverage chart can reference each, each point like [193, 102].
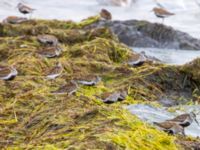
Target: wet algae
[32, 117]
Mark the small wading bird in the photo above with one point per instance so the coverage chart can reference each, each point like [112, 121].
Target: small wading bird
[47, 39]
[178, 123]
[90, 80]
[162, 13]
[105, 14]
[170, 127]
[112, 97]
[14, 20]
[7, 72]
[185, 120]
[55, 71]
[137, 60]
[50, 52]
[25, 9]
[69, 88]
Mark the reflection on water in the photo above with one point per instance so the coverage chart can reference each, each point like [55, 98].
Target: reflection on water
[175, 57]
[152, 114]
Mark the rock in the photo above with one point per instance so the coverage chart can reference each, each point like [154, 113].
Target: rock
[145, 34]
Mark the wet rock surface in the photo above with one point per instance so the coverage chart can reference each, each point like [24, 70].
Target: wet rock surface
[145, 34]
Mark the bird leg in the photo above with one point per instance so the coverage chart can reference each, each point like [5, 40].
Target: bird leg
[183, 132]
[163, 19]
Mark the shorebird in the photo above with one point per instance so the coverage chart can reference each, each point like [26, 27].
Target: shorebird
[70, 88]
[14, 20]
[170, 127]
[50, 52]
[185, 120]
[137, 60]
[24, 9]
[55, 71]
[114, 96]
[105, 14]
[89, 80]
[162, 13]
[48, 39]
[7, 73]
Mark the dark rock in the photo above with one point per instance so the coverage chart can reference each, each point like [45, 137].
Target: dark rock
[145, 34]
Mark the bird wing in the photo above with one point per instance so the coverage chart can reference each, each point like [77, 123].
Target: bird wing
[26, 8]
[179, 118]
[164, 12]
[165, 124]
[4, 72]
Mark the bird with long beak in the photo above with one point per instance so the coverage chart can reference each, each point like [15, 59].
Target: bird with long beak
[162, 13]
[185, 120]
[24, 9]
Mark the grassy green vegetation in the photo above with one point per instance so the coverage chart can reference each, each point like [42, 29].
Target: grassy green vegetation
[31, 117]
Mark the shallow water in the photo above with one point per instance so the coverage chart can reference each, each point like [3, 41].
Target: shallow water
[170, 56]
[187, 16]
[152, 114]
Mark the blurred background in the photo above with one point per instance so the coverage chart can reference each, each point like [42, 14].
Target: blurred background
[187, 12]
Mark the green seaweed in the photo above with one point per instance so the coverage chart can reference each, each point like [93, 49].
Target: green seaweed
[31, 117]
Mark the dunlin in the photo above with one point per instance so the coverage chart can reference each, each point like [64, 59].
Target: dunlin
[185, 120]
[50, 52]
[105, 14]
[162, 13]
[24, 9]
[89, 80]
[70, 88]
[137, 60]
[55, 71]
[14, 20]
[114, 96]
[170, 127]
[7, 72]
[48, 39]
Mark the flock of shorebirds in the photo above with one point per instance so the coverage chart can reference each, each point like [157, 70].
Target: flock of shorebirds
[52, 49]
[160, 12]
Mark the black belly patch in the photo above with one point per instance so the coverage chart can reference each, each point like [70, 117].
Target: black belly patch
[185, 124]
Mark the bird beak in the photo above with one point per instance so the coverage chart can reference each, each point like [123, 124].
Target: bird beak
[197, 122]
